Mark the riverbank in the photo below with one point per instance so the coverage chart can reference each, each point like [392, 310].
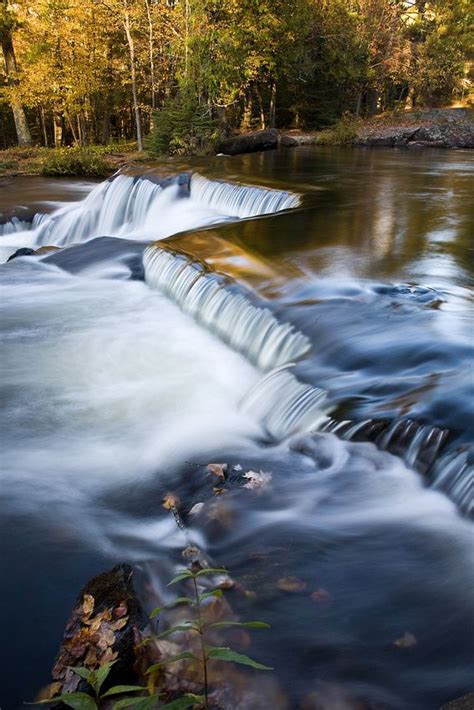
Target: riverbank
[93, 161]
[433, 127]
[438, 128]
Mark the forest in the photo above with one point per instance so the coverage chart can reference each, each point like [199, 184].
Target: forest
[81, 72]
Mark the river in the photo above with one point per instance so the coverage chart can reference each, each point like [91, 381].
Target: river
[147, 345]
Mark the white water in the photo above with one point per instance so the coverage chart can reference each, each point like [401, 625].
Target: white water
[141, 209]
[106, 383]
[251, 330]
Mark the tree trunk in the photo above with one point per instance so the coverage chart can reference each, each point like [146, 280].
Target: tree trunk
[262, 112]
[58, 130]
[43, 127]
[151, 43]
[11, 71]
[133, 74]
[272, 109]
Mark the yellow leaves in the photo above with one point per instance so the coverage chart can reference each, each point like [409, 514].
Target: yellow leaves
[171, 502]
[88, 605]
[90, 639]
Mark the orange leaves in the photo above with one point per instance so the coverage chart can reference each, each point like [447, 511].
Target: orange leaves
[218, 469]
[90, 639]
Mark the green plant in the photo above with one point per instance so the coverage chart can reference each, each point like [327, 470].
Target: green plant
[182, 127]
[343, 133]
[199, 626]
[96, 678]
[74, 161]
[196, 625]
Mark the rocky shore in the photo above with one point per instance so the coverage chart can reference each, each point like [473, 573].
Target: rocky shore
[431, 128]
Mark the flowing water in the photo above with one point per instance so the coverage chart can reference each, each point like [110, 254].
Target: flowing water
[305, 312]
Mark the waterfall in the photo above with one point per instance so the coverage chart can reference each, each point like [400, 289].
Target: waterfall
[146, 209]
[453, 474]
[284, 405]
[422, 447]
[241, 200]
[14, 225]
[280, 402]
[215, 303]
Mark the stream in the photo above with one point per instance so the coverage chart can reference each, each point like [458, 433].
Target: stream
[304, 312]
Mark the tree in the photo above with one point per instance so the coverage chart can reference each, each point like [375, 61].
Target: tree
[8, 23]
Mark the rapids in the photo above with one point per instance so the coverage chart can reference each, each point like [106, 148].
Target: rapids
[315, 324]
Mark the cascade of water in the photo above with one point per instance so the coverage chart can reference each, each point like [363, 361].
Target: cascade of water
[252, 330]
[420, 447]
[453, 474]
[240, 200]
[284, 405]
[142, 208]
[13, 226]
[279, 401]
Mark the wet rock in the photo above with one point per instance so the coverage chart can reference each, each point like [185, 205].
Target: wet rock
[24, 251]
[293, 140]
[249, 142]
[102, 628]
[464, 703]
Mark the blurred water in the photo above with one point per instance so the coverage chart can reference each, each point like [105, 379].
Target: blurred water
[113, 396]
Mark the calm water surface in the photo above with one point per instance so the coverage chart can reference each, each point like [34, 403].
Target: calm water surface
[112, 396]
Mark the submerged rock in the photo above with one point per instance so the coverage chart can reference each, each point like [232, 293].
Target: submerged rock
[24, 251]
[249, 142]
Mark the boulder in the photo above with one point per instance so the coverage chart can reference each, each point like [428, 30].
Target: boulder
[249, 142]
[102, 628]
[24, 251]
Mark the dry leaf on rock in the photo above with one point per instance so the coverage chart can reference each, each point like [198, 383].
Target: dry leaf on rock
[121, 610]
[88, 605]
[171, 502]
[218, 469]
[256, 480]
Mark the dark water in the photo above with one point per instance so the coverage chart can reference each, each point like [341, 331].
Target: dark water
[113, 396]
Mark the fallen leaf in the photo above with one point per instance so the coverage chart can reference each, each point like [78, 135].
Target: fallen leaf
[406, 641]
[108, 656]
[49, 691]
[321, 596]
[91, 660]
[121, 610]
[256, 479]
[171, 502]
[107, 638]
[291, 584]
[218, 491]
[88, 605]
[119, 624]
[218, 469]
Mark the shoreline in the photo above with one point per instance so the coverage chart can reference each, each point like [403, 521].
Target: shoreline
[446, 128]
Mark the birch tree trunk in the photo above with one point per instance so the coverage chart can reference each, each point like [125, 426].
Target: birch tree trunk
[133, 74]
